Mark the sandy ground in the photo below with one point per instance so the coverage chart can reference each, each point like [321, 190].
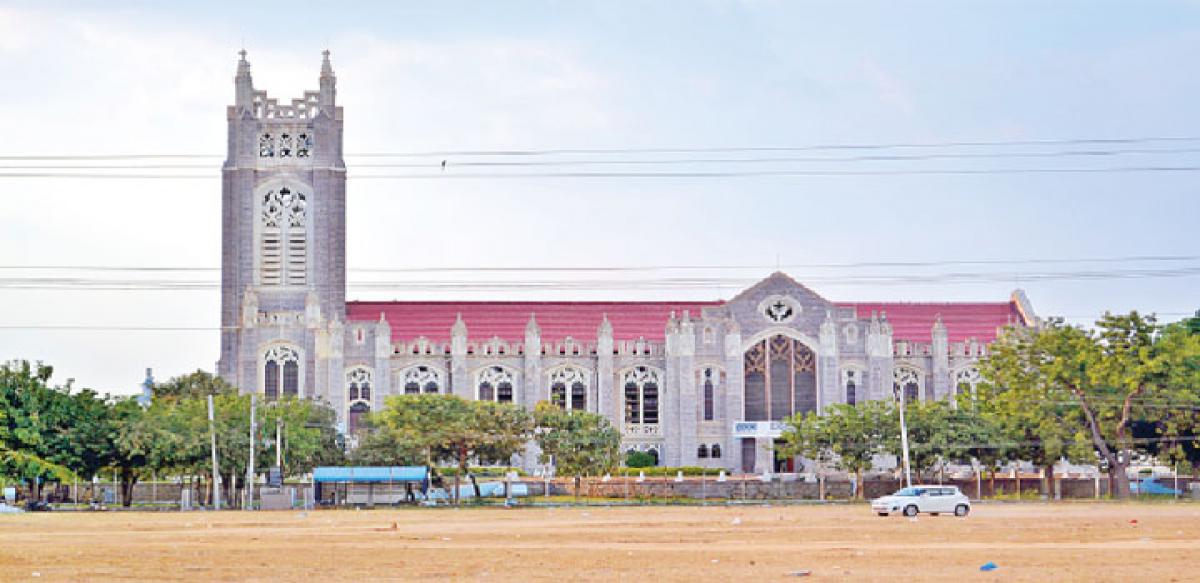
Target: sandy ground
[1066, 542]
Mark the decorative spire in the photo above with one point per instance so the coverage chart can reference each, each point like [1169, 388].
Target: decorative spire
[326, 66]
[243, 96]
[606, 328]
[532, 327]
[460, 327]
[328, 94]
[938, 326]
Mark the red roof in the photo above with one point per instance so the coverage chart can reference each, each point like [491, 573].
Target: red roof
[557, 320]
[914, 321]
[632, 320]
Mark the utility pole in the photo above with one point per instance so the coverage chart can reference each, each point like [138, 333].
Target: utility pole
[279, 443]
[904, 441]
[212, 431]
[248, 503]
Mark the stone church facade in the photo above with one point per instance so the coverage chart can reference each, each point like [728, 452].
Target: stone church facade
[691, 383]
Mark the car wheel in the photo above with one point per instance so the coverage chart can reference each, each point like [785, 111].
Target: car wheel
[910, 510]
[883, 513]
[961, 510]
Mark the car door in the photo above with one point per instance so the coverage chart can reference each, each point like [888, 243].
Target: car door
[925, 500]
[939, 500]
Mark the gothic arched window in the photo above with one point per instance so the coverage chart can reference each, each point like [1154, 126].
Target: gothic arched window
[716, 451]
[495, 383]
[358, 384]
[702, 451]
[281, 372]
[852, 380]
[907, 382]
[421, 379]
[709, 378]
[358, 395]
[966, 380]
[641, 396]
[283, 255]
[781, 379]
[568, 388]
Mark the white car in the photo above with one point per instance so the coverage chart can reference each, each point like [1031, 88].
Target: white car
[929, 499]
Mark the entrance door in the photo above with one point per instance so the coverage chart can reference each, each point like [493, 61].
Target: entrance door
[749, 449]
[783, 464]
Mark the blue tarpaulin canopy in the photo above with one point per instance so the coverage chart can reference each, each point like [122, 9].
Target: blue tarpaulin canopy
[365, 474]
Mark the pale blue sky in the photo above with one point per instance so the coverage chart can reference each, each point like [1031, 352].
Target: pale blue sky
[413, 76]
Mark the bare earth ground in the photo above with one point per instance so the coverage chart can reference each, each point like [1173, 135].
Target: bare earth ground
[1064, 542]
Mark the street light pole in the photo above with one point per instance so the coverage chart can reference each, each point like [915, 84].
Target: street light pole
[216, 473]
[904, 442]
[248, 503]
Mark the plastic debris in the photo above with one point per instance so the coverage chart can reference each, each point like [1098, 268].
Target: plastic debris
[736, 521]
[989, 566]
[1134, 521]
[800, 573]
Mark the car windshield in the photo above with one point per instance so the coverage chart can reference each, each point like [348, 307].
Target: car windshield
[910, 492]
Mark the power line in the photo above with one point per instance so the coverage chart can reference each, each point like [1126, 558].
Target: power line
[660, 267]
[659, 162]
[607, 284]
[658, 150]
[655, 175]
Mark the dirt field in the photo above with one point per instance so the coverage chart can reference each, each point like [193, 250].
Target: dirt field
[1076, 542]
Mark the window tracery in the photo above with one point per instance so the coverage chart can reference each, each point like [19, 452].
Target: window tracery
[907, 382]
[284, 252]
[495, 383]
[266, 146]
[421, 379]
[281, 372]
[966, 380]
[285, 145]
[568, 388]
[303, 145]
[358, 395]
[780, 379]
[641, 395]
[358, 384]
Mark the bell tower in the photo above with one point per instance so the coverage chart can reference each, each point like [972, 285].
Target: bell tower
[283, 216]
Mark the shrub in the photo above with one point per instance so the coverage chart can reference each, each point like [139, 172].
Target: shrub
[639, 459]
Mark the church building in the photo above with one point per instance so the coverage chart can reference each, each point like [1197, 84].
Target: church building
[692, 383]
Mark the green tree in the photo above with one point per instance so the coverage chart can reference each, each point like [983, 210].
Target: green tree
[449, 428]
[580, 443]
[199, 384]
[1125, 370]
[941, 432]
[35, 439]
[847, 436]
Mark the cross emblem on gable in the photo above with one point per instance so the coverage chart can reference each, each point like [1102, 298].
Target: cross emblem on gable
[779, 311]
